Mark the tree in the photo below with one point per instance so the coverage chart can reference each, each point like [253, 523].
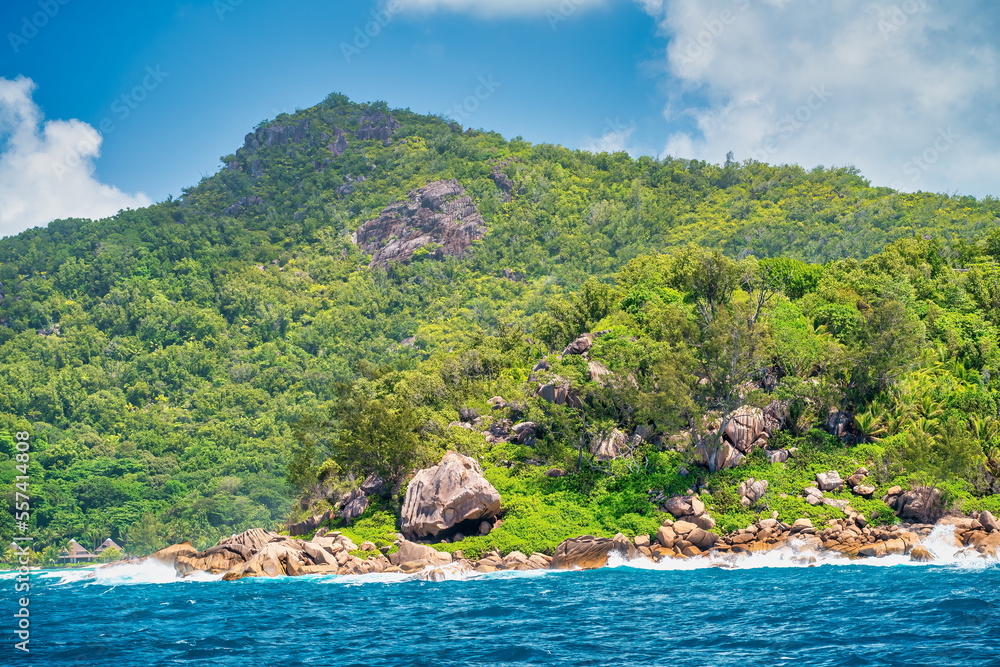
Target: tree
[886, 346]
[377, 435]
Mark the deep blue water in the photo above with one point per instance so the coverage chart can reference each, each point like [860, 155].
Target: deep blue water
[828, 615]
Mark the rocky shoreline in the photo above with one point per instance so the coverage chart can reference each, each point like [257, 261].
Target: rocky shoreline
[260, 553]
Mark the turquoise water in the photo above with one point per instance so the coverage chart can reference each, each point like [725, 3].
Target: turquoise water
[775, 613]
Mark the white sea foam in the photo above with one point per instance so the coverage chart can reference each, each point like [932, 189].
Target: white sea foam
[127, 573]
[942, 544]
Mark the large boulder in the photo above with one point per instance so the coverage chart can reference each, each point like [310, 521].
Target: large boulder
[353, 506]
[411, 552]
[589, 552]
[579, 346]
[171, 553]
[607, 446]
[718, 455]
[446, 495]
[829, 481]
[839, 424]
[702, 539]
[681, 506]
[989, 522]
[745, 430]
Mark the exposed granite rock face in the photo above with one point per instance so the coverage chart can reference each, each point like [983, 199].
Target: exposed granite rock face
[502, 181]
[439, 213]
[274, 135]
[339, 143]
[377, 126]
[442, 497]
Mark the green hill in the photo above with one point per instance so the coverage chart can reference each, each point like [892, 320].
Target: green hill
[197, 367]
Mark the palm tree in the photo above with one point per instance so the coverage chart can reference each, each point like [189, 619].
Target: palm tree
[983, 429]
[993, 461]
[928, 408]
[869, 426]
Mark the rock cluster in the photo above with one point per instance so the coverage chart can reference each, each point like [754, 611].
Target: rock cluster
[919, 504]
[274, 135]
[438, 216]
[377, 126]
[560, 392]
[743, 430]
[690, 509]
[682, 539]
[751, 491]
[259, 553]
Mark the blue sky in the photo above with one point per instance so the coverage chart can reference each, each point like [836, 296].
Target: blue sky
[905, 90]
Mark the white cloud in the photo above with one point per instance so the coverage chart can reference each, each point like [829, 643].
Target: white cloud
[615, 139]
[905, 90]
[47, 168]
[501, 7]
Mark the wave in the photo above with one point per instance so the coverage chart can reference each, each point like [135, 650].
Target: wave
[124, 574]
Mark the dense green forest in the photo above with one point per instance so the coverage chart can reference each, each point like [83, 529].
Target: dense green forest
[200, 366]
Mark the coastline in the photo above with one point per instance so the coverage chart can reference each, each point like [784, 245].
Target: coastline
[257, 553]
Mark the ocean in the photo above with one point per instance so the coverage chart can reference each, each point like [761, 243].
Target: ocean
[779, 608]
